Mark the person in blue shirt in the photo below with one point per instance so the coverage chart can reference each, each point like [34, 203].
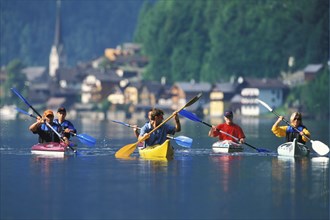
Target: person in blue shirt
[45, 133]
[159, 136]
[67, 127]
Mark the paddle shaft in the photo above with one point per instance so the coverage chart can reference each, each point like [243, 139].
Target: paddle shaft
[129, 149]
[283, 119]
[28, 104]
[158, 126]
[177, 139]
[89, 140]
[230, 135]
[318, 146]
[192, 101]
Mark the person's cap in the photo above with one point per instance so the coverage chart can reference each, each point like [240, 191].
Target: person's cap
[61, 109]
[48, 112]
[228, 114]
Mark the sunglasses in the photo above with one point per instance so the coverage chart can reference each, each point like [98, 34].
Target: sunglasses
[297, 119]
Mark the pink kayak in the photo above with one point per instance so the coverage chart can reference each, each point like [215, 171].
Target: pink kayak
[51, 149]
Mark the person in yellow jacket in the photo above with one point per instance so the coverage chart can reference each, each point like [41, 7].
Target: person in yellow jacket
[290, 132]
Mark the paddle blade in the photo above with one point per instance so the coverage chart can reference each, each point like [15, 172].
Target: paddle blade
[25, 112]
[189, 115]
[265, 105]
[126, 151]
[183, 141]
[193, 100]
[86, 139]
[19, 95]
[320, 148]
[122, 123]
[260, 150]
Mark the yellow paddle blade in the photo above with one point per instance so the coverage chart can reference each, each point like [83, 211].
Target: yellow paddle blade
[320, 148]
[126, 151]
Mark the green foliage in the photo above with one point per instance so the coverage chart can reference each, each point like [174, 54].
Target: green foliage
[212, 40]
[15, 79]
[314, 96]
[88, 27]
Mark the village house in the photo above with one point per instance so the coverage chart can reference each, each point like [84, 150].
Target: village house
[182, 92]
[301, 77]
[272, 91]
[225, 96]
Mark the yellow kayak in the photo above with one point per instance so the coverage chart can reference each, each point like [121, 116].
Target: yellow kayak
[164, 150]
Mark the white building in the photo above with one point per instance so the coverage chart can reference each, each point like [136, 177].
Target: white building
[270, 91]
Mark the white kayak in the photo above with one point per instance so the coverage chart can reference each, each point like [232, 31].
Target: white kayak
[226, 146]
[293, 149]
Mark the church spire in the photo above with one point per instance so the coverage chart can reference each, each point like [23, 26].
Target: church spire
[57, 39]
[57, 56]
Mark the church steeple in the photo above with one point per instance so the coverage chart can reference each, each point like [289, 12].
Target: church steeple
[57, 56]
[58, 37]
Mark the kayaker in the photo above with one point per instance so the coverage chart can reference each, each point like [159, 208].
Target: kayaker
[160, 135]
[45, 133]
[229, 127]
[289, 131]
[67, 127]
[136, 129]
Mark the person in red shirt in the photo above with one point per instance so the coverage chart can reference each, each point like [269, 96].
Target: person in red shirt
[229, 127]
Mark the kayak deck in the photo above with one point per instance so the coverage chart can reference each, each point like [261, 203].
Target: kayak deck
[226, 147]
[164, 150]
[51, 149]
[293, 149]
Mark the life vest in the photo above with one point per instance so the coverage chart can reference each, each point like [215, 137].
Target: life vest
[64, 125]
[292, 133]
[47, 134]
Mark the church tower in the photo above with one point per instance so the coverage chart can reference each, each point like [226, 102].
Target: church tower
[57, 57]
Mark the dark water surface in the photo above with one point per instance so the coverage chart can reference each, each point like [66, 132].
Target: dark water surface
[196, 184]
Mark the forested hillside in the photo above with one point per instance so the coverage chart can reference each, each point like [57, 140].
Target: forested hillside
[88, 27]
[213, 40]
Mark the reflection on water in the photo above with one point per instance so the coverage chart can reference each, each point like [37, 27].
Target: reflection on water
[290, 178]
[227, 164]
[196, 184]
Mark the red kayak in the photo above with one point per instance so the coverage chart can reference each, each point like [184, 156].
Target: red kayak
[51, 149]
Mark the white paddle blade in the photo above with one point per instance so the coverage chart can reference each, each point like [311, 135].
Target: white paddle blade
[320, 148]
[265, 105]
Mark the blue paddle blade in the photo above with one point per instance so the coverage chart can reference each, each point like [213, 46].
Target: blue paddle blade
[189, 115]
[183, 141]
[86, 139]
[25, 112]
[119, 122]
[263, 150]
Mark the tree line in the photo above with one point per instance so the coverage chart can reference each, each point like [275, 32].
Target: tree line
[213, 40]
[204, 40]
[88, 27]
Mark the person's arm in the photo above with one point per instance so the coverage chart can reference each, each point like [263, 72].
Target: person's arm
[241, 136]
[34, 126]
[305, 132]
[70, 128]
[213, 132]
[279, 131]
[177, 123]
[136, 131]
[143, 134]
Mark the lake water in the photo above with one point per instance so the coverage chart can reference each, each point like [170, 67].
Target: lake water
[196, 184]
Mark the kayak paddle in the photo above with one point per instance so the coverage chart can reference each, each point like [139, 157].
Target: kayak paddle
[319, 147]
[193, 117]
[83, 138]
[180, 140]
[28, 104]
[127, 150]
